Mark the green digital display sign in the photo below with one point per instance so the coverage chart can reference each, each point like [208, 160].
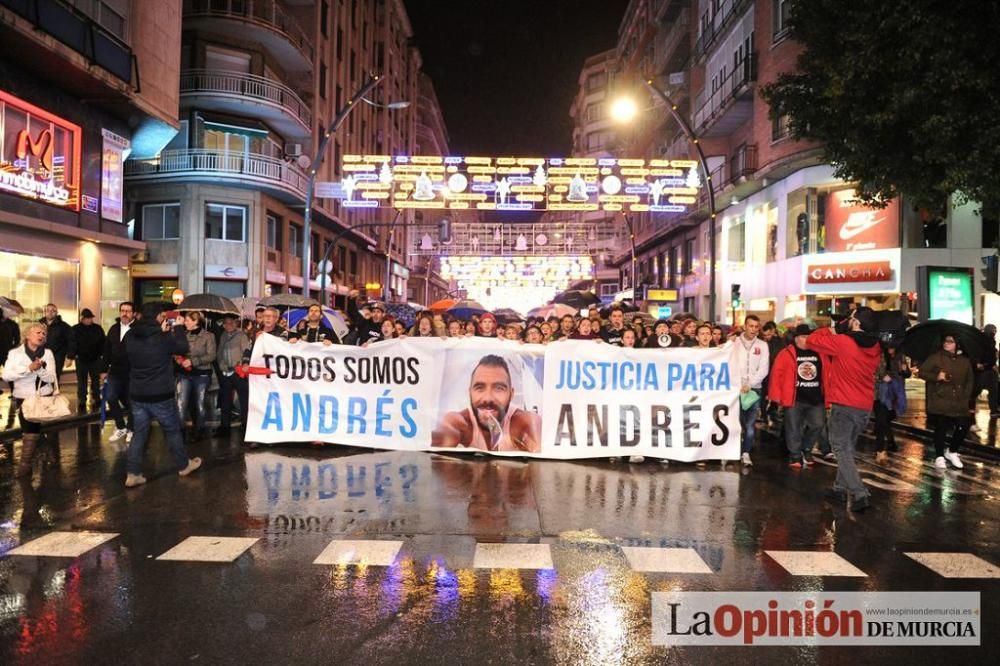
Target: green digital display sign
[950, 294]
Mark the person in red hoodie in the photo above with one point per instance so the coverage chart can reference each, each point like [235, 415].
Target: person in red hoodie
[850, 360]
[797, 380]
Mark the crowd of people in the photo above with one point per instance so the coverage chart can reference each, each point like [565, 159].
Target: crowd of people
[826, 383]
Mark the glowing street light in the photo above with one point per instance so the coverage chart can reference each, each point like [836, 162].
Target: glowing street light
[624, 109]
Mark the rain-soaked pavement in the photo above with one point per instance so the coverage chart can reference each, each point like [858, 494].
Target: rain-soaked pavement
[426, 590]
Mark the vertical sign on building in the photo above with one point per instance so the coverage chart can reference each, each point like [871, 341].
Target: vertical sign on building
[112, 178]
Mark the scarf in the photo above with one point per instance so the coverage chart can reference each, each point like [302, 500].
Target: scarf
[34, 355]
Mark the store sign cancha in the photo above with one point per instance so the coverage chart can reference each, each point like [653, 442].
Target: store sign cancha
[40, 154]
[860, 271]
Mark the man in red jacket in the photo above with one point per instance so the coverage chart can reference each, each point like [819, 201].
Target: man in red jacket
[796, 384]
[850, 360]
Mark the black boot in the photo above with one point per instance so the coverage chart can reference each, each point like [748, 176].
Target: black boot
[29, 444]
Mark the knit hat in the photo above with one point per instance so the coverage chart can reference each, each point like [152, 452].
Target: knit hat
[802, 329]
[86, 314]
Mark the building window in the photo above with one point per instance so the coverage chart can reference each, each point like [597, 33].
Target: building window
[596, 81]
[226, 223]
[36, 281]
[295, 240]
[273, 232]
[227, 288]
[161, 221]
[675, 267]
[340, 47]
[354, 263]
[991, 227]
[322, 80]
[781, 127]
[689, 254]
[737, 240]
[324, 18]
[781, 10]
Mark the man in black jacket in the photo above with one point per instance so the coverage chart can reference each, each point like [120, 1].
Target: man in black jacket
[369, 330]
[59, 337]
[88, 338]
[151, 345]
[116, 363]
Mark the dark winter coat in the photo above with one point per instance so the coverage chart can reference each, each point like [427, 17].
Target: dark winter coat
[115, 358]
[948, 398]
[151, 365]
[59, 337]
[89, 341]
[10, 337]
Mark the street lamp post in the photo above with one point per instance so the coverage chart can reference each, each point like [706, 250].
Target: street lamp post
[343, 232]
[314, 168]
[689, 133]
[631, 238]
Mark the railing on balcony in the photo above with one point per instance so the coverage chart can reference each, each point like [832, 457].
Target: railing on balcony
[718, 177]
[709, 102]
[743, 162]
[249, 86]
[711, 30]
[670, 39]
[265, 12]
[254, 167]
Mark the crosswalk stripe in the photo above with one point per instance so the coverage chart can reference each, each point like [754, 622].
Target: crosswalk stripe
[370, 552]
[63, 544]
[956, 565]
[666, 560]
[209, 549]
[810, 563]
[512, 556]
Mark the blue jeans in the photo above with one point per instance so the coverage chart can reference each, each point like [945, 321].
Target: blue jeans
[192, 388]
[748, 421]
[166, 414]
[846, 425]
[117, 398]
[803, 425]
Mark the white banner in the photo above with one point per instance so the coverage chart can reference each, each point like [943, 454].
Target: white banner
[573, 399]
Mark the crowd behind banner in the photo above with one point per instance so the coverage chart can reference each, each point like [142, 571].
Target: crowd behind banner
[825, 383]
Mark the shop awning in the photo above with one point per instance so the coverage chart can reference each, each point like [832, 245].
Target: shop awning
[234, 125]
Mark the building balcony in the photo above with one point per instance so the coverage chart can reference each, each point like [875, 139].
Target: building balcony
[719, 24]
[248, 95]
[280, 179]
[673, 45]
[722, 111]
[266, 22]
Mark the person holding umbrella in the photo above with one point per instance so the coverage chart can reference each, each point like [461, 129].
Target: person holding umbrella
[950, 380]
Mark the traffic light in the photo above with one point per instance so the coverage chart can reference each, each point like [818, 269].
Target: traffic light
[735, 296]
[989, 281]
[444, 230]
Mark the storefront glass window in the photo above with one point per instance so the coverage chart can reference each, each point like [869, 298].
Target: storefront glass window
[152, 291]
[114, 290]
[737, 240]
[37, 281]
[227, 288]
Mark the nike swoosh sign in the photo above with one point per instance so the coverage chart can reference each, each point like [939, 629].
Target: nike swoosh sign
[859, 222]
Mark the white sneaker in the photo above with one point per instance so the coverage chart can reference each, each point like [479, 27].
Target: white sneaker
[829, 455]
[128, 436]
[974, 428]
[940, 463]
[118, 434]
[636, 459]
[193, 464]
[133, 480]
[745, 459]
[953, 458]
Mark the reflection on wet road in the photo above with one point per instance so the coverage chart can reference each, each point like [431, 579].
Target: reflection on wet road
[448, 559]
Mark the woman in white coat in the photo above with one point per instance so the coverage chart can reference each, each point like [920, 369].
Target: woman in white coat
[31, 367]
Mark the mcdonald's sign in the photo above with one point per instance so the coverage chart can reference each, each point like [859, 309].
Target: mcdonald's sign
[40, 154]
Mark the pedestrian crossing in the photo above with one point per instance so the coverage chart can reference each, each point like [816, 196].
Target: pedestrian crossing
[521, 556]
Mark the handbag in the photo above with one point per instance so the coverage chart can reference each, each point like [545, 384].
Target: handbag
[748, 399]
[42, 408]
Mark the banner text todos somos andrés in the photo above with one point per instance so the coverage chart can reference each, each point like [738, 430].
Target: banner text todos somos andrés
[573, 399]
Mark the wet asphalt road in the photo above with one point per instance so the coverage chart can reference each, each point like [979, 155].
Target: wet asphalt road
[118, 604]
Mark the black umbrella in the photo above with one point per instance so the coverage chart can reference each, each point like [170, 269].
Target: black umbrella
[508, 316]
[577, 299]
[924, 339]
[288, 301]
[208, 303]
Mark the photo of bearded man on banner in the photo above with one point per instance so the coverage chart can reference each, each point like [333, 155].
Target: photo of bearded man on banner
[493, 417]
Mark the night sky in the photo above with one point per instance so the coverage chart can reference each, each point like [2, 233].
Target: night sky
[506, 71]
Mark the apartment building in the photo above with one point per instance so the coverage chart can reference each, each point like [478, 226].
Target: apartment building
[221, 207]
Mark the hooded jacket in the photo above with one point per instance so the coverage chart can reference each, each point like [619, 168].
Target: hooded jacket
[949, 398]
[151, 365]
[850, 361]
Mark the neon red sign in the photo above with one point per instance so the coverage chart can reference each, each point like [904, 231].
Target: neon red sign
[42, 161]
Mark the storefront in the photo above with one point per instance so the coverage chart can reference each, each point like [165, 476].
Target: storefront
[62, 240]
